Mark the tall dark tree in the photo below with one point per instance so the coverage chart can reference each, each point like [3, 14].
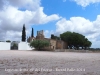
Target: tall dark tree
[24, 33]
[32, 34]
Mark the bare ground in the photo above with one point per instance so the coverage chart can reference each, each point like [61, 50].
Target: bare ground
[49, 63]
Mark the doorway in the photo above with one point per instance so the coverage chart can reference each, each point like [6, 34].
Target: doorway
[14, 46]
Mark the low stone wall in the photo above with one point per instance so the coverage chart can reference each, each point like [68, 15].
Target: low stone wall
[71, 50]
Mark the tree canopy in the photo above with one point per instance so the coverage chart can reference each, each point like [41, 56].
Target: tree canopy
[39, 44]
[8, 41]
[75, 40]
[55, 37]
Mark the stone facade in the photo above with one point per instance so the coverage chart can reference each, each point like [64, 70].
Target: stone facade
[61, 44]
[40, 35]
[54, 44]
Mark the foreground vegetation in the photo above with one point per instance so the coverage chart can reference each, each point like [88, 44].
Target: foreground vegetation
[39, 44]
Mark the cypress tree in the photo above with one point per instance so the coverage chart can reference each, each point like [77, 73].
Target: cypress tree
[32, 34]
[24, 33]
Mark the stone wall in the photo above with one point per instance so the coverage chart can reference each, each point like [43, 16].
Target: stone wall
[61, 44]
[40, 37]
[72, 50]
[56, 44]
[53, 44]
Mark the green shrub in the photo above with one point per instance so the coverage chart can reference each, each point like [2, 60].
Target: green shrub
[8, 41]
[39, 44]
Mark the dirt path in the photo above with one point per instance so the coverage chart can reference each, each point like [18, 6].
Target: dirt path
[49, 63]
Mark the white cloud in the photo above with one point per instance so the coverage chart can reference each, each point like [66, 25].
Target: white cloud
[39, 17]
[91, 29]
[85, 3]
[96, 44]
[28, 4]
[48, 33]
[12, 19]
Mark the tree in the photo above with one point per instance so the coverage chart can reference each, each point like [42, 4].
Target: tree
[55, 37]
[8, 41]
[75, 40]
[39, 44]
[14, 45]
[67, 37]
[78, 40]
[24, 33]
[87, 43]
[52, 36]
[32, 34]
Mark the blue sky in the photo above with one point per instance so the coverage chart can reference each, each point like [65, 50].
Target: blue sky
[52, 16]
[67, 10]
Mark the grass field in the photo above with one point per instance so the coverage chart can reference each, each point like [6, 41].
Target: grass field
[16, 62]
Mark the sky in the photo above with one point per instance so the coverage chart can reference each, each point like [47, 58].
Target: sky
[52, 16]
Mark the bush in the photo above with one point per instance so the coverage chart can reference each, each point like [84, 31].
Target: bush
[8, 41]
[39, 44]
